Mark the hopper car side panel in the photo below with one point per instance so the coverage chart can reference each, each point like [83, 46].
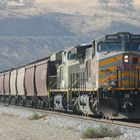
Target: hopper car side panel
[29, 80]
[20, 81]
[7, 83]
[41, 78]
[1, 84]
[13, 81]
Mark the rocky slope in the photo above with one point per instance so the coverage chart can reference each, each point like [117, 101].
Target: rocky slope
[29, 33]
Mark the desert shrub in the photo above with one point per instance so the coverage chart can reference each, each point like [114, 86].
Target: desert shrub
[9, 114]
[36, 116]
[100, 132]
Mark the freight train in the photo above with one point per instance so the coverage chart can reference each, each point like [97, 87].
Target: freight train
[101, 78]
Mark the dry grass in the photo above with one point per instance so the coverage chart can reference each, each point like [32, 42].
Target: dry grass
[9, 115]
[36, 116]
[101, 132]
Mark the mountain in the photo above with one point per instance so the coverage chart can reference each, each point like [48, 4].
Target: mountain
[16, 51]
[28, 33]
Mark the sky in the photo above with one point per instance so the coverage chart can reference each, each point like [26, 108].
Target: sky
[136, 1]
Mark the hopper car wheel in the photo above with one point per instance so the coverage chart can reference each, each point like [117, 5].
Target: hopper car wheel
[2, 100]
[15, 101]
[41, 104]
[7, 100]
[19, 102]
[29, 103]
[12, 100]
[23, 102]
[44, 105]
[32, 104]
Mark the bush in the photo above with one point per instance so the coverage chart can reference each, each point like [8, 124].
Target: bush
[36, 117]
[100, 132]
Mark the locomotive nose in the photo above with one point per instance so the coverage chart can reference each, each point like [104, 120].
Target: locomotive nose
[131, 61]
[130, 71]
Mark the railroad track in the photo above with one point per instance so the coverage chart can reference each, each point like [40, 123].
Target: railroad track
[85, 118]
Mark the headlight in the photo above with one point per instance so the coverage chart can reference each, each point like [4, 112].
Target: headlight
[126, 58]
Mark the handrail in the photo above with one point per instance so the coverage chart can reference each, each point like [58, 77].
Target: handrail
[52, 81]
[105, 80]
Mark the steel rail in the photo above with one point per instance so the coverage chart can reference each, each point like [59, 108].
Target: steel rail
[85, 118]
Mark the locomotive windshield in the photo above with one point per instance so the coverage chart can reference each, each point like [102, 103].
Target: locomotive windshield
[133, 46]
[72, 56]
[107, 46]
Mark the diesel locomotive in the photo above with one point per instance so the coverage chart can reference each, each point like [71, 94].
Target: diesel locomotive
[101, 78]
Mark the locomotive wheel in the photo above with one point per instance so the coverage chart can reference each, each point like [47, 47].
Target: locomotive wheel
[75, 107]
[42, 105]
[32, 104]
[93, 103]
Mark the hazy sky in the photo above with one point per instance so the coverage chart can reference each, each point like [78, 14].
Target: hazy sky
[136, 1]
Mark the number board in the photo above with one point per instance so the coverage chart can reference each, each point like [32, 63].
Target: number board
[134, 37]
[112, 37]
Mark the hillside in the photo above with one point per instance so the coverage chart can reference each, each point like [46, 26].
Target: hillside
[30, 33]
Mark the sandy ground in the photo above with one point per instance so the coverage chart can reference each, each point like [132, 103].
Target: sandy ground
[16, 125]
[13, 128]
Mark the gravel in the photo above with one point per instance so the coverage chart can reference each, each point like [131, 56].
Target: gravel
[15, 125]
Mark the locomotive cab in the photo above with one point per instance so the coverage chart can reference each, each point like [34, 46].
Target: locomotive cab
[119, 57]
[72, 66]
[119, 74]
